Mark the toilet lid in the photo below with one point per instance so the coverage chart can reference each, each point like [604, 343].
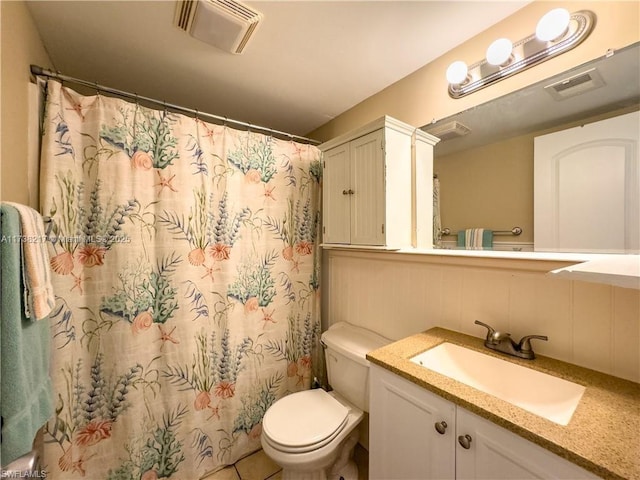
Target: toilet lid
[304, 421]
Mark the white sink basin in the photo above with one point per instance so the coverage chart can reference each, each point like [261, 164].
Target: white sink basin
[545, 395]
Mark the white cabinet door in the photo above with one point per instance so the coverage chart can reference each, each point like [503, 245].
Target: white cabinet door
[336, 200]
[373, 178]
[367, 190]
[404, 443]
[587, 187]
[497, 454]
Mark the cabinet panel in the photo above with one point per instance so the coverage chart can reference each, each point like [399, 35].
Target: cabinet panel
[404, 443]
[335, 216]
[368, 187]
[383, 159]
[497, 454]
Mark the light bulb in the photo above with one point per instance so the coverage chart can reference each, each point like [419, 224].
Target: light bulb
[553, 25]
[457, 72]
[499, 52]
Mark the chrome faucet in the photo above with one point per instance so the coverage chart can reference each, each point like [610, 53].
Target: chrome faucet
[502, 342]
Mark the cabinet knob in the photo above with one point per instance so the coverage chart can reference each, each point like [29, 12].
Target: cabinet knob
[351, 192]
[345, 192]
[465, 441]
[441, 427]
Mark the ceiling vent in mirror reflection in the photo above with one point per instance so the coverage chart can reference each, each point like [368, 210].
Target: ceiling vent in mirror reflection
[452, 129]
[577, 84]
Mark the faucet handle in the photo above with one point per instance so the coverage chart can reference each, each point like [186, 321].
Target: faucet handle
[525, 342]
[490, 330]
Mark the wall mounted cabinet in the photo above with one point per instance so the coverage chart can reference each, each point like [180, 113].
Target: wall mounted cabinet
[377, 187]
[415, 433]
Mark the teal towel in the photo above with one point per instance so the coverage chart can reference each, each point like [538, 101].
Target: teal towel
[25, 386]
[468, 238]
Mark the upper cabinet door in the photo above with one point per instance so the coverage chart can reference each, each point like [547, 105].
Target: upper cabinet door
[336, 198]
[587, 187]
[368, 189]
[371, 186]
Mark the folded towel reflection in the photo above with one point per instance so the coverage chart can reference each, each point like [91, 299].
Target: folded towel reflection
[475, 239]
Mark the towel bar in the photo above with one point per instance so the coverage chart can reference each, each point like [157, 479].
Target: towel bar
[514, 231]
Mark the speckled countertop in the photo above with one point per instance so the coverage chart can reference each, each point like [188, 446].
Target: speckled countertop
[603, 435]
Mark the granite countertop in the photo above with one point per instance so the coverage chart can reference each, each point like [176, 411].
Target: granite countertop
[603, 435]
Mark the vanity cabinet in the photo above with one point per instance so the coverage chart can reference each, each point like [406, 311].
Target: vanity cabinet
[416, 434]
[377, 186]
[403, 441]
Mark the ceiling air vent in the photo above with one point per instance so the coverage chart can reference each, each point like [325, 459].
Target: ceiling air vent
[448, 130]
[575, 85]
[225, 24]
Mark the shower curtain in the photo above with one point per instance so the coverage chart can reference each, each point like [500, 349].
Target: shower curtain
[437, 222]
[186, 269]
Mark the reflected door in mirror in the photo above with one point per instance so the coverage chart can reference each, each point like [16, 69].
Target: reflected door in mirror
[587, 188]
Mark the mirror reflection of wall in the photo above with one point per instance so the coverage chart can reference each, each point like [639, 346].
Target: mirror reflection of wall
[488, 181]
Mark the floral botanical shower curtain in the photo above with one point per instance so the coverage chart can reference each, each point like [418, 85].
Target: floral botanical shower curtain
[186, 270]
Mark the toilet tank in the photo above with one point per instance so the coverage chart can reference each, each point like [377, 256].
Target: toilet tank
[346, 347]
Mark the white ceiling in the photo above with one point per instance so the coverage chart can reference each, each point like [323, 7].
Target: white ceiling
[308, 62]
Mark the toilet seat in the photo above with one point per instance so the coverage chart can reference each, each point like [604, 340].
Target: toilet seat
[304, 421]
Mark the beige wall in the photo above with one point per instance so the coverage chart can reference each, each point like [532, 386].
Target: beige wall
[422, 96]
[20, 47]
[490, 187]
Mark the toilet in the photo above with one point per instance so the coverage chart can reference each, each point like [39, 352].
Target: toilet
[312, 434]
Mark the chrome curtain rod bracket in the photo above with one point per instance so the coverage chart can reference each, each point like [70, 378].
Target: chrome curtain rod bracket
[43, 72]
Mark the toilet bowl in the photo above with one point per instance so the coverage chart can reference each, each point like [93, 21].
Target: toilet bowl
[309, 433]
[312, 434]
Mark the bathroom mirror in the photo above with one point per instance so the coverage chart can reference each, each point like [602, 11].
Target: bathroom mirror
[485, 159]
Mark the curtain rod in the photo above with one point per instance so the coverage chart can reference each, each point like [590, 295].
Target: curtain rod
[43, 72]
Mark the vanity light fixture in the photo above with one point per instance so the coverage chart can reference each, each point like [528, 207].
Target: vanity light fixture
[457, 72]
[499, 52]
[553, 25]
[557, 31]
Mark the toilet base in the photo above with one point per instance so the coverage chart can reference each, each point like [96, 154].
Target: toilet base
[344, 467]
[347, 472]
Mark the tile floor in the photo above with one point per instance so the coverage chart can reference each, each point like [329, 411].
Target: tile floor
[258, 466]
